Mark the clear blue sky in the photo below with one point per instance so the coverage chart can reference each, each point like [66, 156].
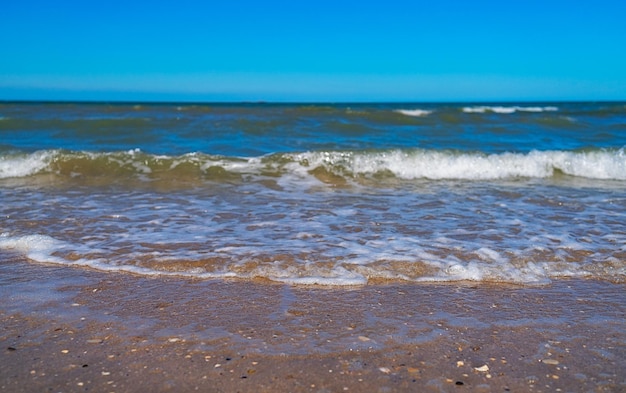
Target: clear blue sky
[385, 50]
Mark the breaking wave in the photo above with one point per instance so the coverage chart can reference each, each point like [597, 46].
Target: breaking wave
[509, 109]
[605, 164]
[414, 112]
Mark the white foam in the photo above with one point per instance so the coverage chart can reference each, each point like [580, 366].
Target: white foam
[463, 272]
[355, 263]
[350, 280]
[437, 165]
[508, 109]
[308, 274]
[488, 254]
[36, 247]
[444, 165]
[594, 165]
[24, 165]
[404, 164]
[500, 271]
[414, 112]
[41, 248]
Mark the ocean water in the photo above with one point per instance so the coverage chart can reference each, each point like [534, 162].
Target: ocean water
[319, 194]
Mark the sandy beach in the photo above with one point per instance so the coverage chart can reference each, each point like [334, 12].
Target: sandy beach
[69, 329]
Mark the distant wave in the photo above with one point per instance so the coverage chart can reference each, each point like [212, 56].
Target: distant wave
[508, 109]
[402, 164]
[414, 112]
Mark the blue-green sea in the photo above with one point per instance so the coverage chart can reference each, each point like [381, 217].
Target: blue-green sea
[326, 194]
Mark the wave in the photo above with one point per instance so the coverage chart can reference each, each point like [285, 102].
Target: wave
[414, 112]
[440, 165]
[408, 164]
[509, 109]
[533, 267]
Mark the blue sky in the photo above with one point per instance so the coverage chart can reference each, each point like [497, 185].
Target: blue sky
[313, 50]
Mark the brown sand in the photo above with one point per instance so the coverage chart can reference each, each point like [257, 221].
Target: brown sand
[68, 329]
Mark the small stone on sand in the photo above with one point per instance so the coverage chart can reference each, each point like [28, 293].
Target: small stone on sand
[94, 341]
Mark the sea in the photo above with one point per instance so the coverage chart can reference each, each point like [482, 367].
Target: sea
[318, 194]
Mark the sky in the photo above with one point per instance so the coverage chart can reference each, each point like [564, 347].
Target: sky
[313, 51]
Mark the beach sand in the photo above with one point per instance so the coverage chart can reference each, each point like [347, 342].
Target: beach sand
[66, 329]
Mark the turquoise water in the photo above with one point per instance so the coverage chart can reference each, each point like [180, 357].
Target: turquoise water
[319, 194]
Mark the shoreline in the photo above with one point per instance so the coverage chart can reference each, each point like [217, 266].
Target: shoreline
[73, 329]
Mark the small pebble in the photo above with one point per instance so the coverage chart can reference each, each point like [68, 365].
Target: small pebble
[550, 361]
[65, 351]
[385, 370]
[483, 368]
[364, 339]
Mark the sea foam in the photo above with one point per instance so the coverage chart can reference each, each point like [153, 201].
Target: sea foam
[401, 163]
[509, 109]
[21, 165]
[39, 248]
[438, 165]
[414, 112]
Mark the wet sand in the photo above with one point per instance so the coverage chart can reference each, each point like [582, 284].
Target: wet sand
[71, 329]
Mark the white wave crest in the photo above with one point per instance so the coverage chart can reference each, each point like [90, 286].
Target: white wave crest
[24, 165]
[414, 112]
[508, 109]
[404, 164]
[439, 165]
